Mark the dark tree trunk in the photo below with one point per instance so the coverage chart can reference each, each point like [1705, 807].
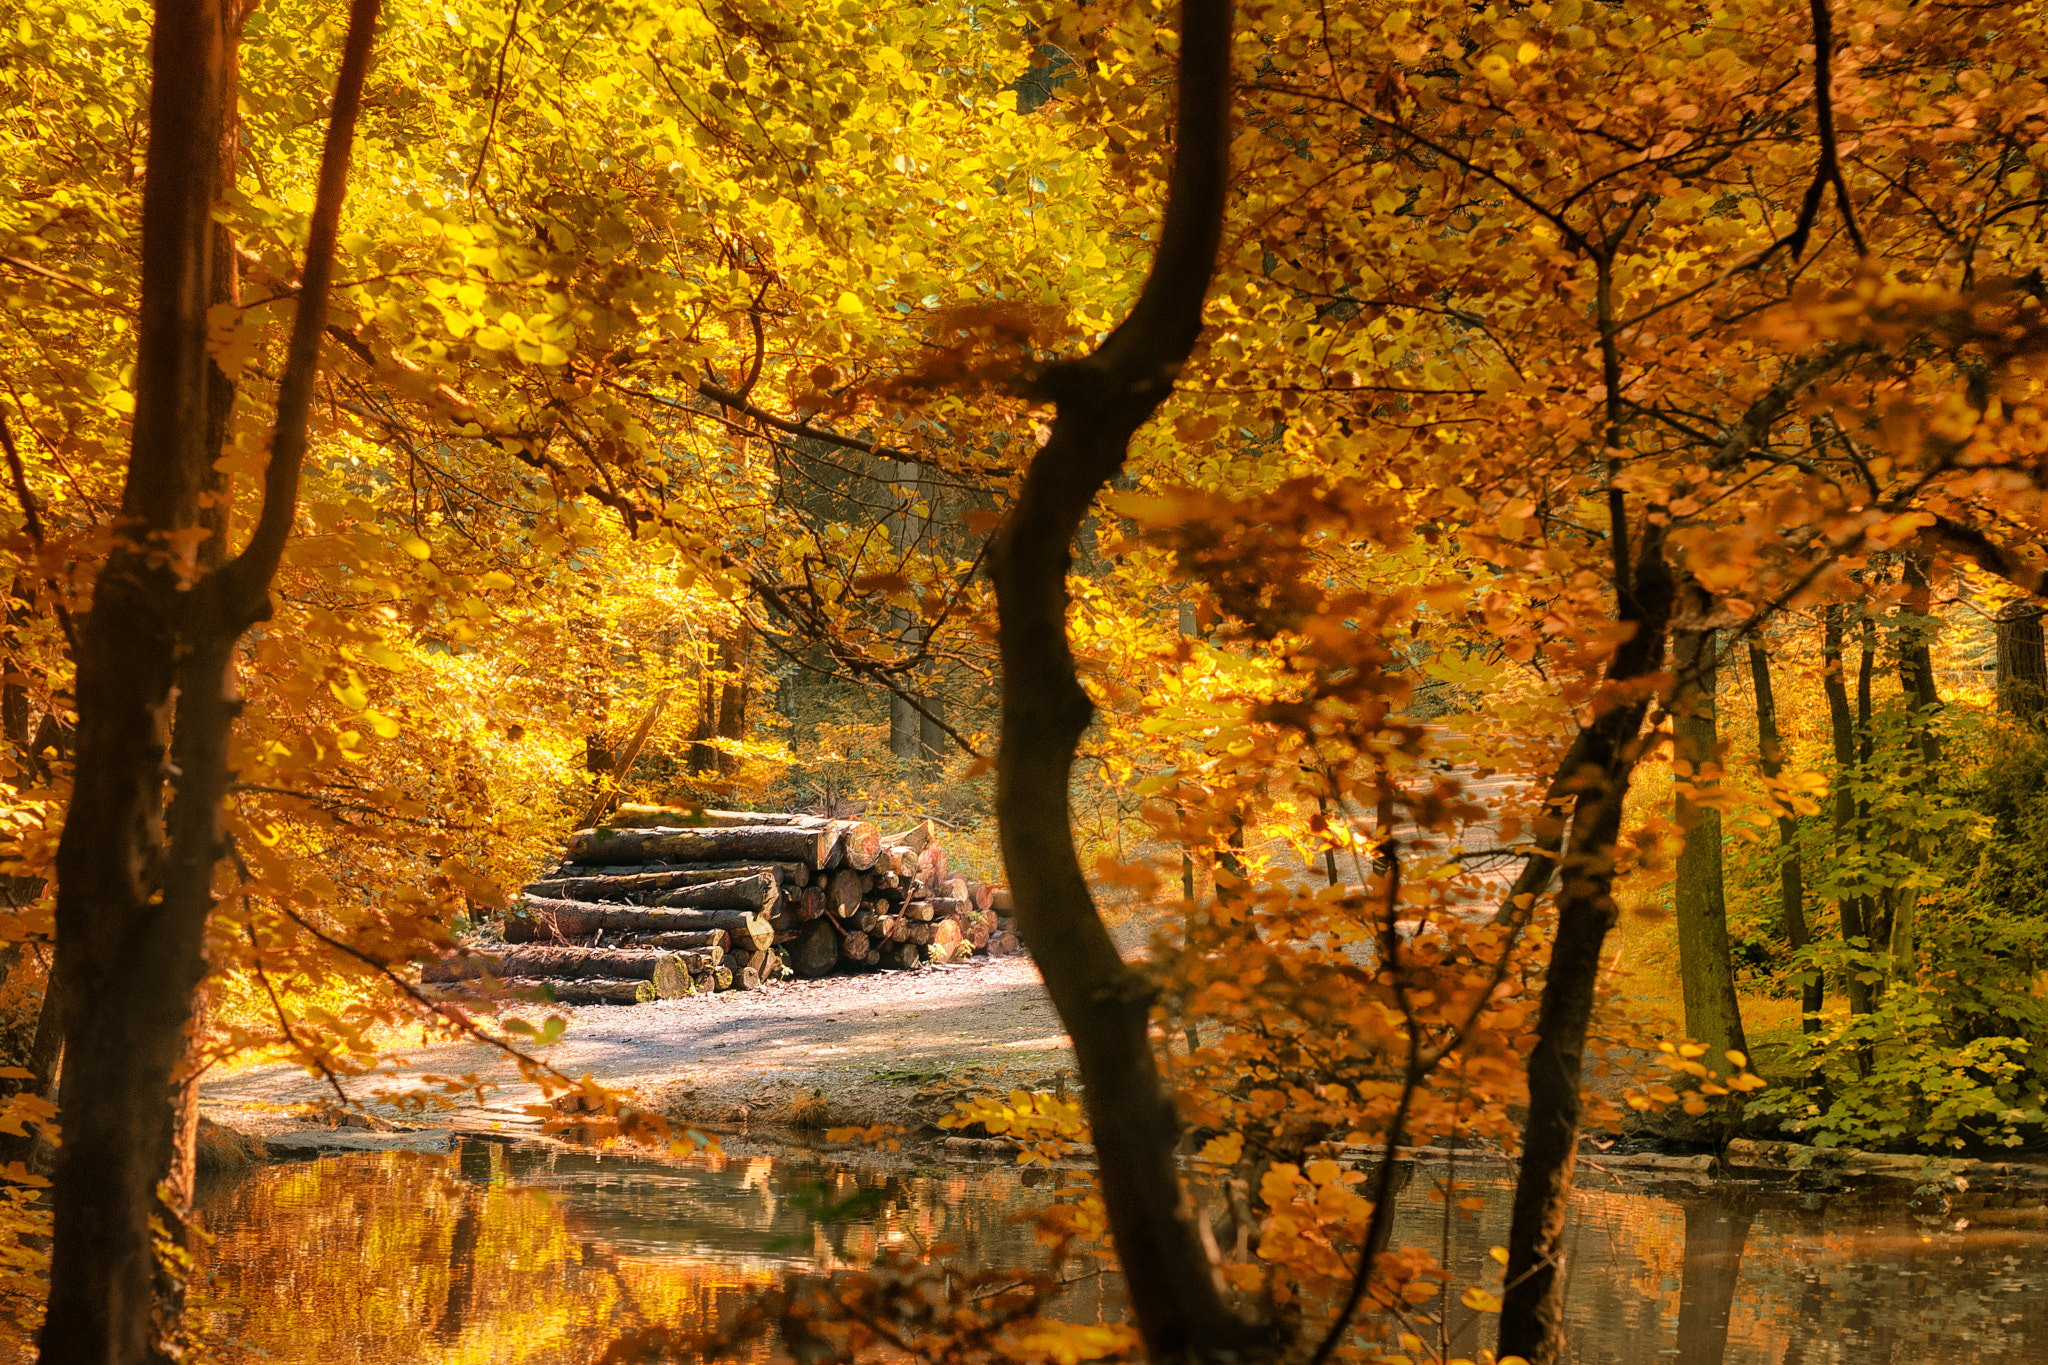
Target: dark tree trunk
[1713, 1015]
[1100, 403]
[1595, 776]
[134, 891]
[1842, 730]
[2022, 662]
[1791, 872]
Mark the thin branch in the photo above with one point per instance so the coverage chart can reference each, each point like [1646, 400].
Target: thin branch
[34, 518]
[244, 581]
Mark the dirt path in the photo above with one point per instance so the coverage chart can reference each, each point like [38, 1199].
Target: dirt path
[888, 1047]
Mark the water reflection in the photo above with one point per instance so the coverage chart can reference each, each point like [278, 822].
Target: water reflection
[506, 1254]
[1745, 1274]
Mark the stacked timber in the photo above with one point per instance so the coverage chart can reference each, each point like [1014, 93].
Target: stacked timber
[663, 902]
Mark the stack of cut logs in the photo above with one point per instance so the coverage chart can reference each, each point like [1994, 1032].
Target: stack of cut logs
[662, 902]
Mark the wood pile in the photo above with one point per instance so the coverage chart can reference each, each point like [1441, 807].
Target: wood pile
[662, 902]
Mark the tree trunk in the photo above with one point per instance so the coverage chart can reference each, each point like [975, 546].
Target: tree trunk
[1842, 729]
[538, 920]
[773, 843]
[1602, 762]
[2022, 661]
[758, 894]
[1917, 627]
[134, 893]
[632, 886]
[732, 695]
[690, 817]
[1100, 403]
[1791, 873]
[1713, 1015]
[568, 964]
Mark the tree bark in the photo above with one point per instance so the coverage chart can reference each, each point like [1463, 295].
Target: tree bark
[568, 964]
[1842, 731]
[1532, 1306]
[634, 885]
[1791, 872]
[1713, 1014]
[538, 920]
[134, 891]
[1100, 403]
[2022, 662]
[772, 843]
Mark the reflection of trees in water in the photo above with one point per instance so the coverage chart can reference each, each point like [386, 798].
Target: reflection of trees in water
[512, 1254]
[1715, 1234]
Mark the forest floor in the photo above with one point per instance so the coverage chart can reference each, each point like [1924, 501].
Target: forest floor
[882, 1048]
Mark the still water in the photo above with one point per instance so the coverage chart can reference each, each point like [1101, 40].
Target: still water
[530, 1253]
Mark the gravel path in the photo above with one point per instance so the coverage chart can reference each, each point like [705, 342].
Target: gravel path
[886, 1047]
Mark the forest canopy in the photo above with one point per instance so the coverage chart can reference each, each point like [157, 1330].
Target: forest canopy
[1405, 504]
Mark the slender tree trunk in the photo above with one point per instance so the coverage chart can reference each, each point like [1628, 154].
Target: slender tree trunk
[1869, 910]
[133, 896]
[1713, 1014]
[2022, 661]
[1101, 401]
[1917, 628]
[1791, 872]
[1594, 775]
[1842, 729]
[732, 696]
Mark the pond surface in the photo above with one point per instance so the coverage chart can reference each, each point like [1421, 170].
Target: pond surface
[529, 1253]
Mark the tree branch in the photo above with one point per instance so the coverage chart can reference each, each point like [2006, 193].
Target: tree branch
[244, 582]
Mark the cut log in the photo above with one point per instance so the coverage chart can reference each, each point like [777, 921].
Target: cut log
[854, 947]
[864, 919]
[859, 844]
[590, 992]
[1000, 902]
[946, 941]
[815, 949]
[931, 865]
[721, 978]
[921, 911]
[904, 957]
[893, 928]
[843, 892]
[813, 903]
[689, 817]
[953, 887]
[917, 838]
[975, 927]
[917, 932]
[746, 979]
[758, 894]
[1004, 943]
[624, 964]
[945, 907]
[677, 977]
[747, 843]
[538, 919]
[681, 940]
[979, 894]
[634, 886]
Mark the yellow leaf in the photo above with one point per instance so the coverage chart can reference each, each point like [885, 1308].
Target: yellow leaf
[1479, 1301]
[417, 548]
